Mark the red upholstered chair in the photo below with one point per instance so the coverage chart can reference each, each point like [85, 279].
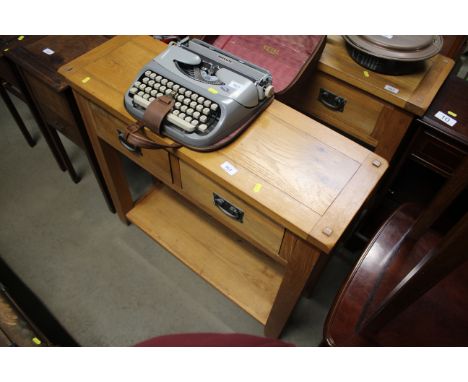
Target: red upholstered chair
[213, 340]
[410, 286]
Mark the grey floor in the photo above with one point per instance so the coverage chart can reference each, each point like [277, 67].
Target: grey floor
[107, 283]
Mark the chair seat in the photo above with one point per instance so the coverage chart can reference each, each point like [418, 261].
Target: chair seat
[438, 318]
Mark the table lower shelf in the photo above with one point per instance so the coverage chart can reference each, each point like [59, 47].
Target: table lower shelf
[229, 263]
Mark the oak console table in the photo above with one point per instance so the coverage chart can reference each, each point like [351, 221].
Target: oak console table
[298, 183]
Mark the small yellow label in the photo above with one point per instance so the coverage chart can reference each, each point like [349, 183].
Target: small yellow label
[86, 79]
[20, 38]
[257, 187]
[37, 341]
[366, 73]
[452, 113]
[212, 91]
[6, 49]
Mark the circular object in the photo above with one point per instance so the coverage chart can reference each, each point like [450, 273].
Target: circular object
[269, 91]
[393, 55]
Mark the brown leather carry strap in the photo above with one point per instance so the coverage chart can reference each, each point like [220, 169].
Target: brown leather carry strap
[156, 112]
[153, 117]
[136, 137]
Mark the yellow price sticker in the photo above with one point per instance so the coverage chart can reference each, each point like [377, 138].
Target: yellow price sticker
[37, 341]
[452, 113]
[366, 73]
[212, 91]
[20, 38]
[86, 79]
[6, 49]
[257, 187]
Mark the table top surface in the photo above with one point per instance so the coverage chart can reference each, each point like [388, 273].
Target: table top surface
[295, 170]
[415, 91]
[452, 100]
[43, 55]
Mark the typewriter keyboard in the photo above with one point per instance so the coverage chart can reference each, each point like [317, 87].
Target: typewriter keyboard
[191, 111]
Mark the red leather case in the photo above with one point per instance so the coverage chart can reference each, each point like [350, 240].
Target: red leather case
[290, 59]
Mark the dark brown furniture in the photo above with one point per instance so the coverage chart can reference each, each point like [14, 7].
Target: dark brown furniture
[453, 46]
[37, 63]
[437, 145]
[11, 83]
[409, 287]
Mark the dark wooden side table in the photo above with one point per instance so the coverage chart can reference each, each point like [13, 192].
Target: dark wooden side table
[37, 63]
[438, 145]
[11, 83]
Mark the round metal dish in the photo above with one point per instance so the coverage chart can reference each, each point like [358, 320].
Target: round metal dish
[393, 54]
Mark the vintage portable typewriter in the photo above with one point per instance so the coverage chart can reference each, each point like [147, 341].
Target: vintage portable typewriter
[215, 94]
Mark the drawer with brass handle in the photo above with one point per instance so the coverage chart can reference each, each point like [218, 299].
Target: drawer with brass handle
[233, 212]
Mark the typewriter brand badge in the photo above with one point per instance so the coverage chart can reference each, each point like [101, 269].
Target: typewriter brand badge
[235, 85]
[225, 89]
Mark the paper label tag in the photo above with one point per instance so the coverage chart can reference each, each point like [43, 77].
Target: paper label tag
[48, 51]
[391, 89]
[86, 79]
[445, 118]
[229, 168]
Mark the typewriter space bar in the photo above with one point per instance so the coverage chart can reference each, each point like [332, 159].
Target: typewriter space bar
[187, 126]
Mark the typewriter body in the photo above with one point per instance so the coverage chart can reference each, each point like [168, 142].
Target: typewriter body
[216, 95]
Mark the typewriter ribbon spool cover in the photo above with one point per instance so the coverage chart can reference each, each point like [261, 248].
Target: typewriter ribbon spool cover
[211, 95]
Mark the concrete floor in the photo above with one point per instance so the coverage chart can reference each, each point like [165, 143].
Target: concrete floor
[109, 284]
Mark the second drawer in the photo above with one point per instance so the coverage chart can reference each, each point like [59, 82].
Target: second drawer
[342, 106]
[233, 212]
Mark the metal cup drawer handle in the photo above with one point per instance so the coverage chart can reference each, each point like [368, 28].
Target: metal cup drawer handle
[332, 101]
[227, 208]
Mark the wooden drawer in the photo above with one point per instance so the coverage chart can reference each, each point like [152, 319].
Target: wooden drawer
[156, 162]
[438, 152]
[254, 226]
[53, 105]
[358, 116]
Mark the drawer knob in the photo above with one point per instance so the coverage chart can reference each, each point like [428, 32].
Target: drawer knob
[332, 101]
[227, 208]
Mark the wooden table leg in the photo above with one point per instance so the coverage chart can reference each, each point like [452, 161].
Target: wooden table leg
[109, 162]
[37, 116]
[19, 121]
[92, 160]
[63, 153]
[301, 258]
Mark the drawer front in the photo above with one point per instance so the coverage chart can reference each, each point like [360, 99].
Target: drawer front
[156, 162]
[341, 105]
[69, 130]
[231, 211]
[438, 152]
[53, 105]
